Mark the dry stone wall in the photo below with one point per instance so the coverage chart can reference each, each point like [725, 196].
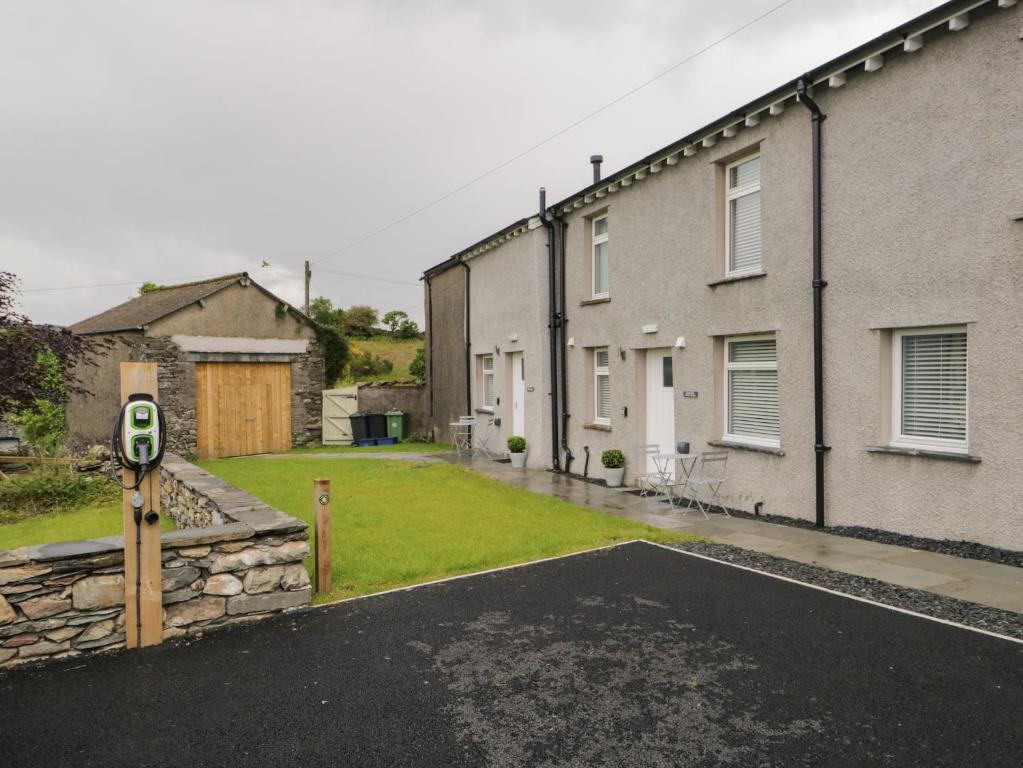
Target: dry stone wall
[235, 559]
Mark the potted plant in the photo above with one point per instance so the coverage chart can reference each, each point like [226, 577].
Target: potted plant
[614, 467]
[517, 451]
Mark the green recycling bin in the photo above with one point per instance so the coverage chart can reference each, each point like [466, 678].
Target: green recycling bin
[396, 424]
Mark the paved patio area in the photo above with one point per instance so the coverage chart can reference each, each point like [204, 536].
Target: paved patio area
[991, 584]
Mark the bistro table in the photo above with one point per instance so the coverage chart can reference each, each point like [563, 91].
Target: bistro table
[666, 477]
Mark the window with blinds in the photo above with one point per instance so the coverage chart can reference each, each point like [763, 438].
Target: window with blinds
[488, 380]
[930, 388]
[600, 264]
[742, 229]
[751, 395]
[601, 387]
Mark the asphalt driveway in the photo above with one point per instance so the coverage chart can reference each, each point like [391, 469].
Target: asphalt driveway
[626, 657]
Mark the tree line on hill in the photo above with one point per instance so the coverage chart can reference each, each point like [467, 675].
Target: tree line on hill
[338, 326]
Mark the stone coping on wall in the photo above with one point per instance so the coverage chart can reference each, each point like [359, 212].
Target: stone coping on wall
[247, 562]
[186, 489]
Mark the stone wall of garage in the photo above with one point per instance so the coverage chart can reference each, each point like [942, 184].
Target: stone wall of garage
[234, 559]
[90, 416]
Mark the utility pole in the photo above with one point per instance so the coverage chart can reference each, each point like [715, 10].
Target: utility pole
[308, 275]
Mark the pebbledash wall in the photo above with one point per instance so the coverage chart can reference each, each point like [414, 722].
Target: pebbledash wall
[233, 559]
[914, 237]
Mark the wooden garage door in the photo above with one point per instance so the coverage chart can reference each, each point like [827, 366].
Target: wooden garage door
[242, 408]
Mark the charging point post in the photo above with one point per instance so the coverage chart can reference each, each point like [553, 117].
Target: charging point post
[143, 596]
[321, 548]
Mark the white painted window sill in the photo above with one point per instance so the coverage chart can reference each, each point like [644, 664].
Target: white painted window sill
[773, 451]
[923, 453]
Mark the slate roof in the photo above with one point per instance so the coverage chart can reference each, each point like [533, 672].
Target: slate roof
[150, 307]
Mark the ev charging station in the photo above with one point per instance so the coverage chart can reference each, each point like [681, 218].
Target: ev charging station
[136, 446]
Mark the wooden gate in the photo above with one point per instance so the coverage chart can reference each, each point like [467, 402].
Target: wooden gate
[338, 406]
[242, 408]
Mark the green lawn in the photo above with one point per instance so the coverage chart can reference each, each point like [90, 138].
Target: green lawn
[399, 523]
[397, 447]
[90, 522]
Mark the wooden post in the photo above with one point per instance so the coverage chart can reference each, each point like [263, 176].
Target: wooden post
[141, 378]
[321, 548]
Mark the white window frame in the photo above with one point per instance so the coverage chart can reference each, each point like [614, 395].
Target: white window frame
[596, 240]
[730, 195]
[763, 442]
[484, 374]
[899, 440]
[599, 371]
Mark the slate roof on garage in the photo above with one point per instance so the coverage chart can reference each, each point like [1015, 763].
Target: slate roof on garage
[142, 310]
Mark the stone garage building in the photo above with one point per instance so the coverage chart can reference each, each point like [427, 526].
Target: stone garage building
[240, 370]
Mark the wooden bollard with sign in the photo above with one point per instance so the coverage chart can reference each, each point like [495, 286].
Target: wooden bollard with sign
[321, 547]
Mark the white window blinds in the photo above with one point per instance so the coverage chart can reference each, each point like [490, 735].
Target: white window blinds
[934, 387]
[752, 394]
[601, 387]
[745, 250]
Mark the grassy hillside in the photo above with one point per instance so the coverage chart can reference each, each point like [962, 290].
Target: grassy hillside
[398, 351]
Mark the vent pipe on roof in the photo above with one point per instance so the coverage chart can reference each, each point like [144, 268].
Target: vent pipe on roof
[596, 160]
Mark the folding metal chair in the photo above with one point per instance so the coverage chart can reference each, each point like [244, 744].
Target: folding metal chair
[708, 478]
[482, 435]
[650, 481]
[461, 435]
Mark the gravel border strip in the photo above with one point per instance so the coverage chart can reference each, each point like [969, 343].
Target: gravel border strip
[966, 549]
[983, 617]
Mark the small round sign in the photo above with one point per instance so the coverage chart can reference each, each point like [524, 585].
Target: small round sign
[324, 499]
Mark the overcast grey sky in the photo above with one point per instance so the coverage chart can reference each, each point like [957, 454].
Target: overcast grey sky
[145, 140]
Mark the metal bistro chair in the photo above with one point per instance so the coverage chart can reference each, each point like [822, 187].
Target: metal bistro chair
[461, 435]
[708, 478]
[650, 481]
[483, 431]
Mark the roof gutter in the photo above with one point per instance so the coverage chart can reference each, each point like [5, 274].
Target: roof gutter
[820, 448]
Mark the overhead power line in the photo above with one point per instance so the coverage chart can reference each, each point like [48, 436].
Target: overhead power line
[461, 187]
[560, 132]
[359, 276]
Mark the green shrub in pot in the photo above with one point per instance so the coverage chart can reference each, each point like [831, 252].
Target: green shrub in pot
[516, 444]
[614, 467]
[612, 459]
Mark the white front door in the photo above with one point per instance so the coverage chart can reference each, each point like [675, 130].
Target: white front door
[518, 368]
[660, 403]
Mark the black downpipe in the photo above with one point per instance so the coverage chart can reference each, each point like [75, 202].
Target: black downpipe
[429, 343]
[820, 448]
[563, 323]
[552, 328]
[468, 343]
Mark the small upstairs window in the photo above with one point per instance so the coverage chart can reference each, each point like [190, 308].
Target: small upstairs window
[743, 246]
[600, 263]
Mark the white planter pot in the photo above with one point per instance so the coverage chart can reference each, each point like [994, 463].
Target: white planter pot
[518, 460]
[614, 476]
